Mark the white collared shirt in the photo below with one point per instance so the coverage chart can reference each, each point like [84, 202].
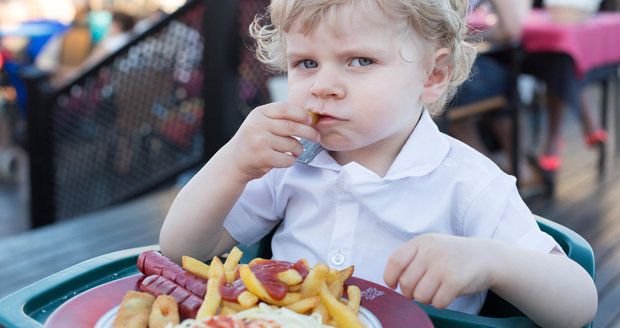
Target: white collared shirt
[347, 215]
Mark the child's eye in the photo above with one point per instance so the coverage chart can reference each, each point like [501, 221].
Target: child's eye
[307, 64]
[359, 62]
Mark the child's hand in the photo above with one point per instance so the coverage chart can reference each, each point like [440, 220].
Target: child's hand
[265, 139]
[435, 269]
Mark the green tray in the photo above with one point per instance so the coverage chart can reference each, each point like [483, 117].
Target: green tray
[32, 305]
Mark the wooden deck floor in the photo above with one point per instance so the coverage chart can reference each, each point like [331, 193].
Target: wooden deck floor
[583, 202]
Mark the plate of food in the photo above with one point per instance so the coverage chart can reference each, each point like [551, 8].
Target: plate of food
[262, 293]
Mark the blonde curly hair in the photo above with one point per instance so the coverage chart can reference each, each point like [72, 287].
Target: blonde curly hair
[439, 22]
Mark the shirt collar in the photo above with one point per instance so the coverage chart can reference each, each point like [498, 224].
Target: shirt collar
[423, 152]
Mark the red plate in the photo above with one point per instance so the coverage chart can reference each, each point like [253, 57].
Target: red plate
[391, 308]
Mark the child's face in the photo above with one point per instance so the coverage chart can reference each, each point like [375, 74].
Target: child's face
[365, 80]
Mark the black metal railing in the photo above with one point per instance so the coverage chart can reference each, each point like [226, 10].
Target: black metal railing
[160, 105]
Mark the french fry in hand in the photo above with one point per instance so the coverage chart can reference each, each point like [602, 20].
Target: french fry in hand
[195, 266]
[213, 298]
[354, 295]
[290, 277]
[314, 116]
[336, 279]
[343, 315]
[312, 285]
[247, 299]
[304, 305]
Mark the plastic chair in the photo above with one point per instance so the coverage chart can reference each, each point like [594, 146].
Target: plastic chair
[496, 312]
[503, 314]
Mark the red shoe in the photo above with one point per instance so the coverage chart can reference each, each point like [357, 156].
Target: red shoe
[596, 137]
[549, 162]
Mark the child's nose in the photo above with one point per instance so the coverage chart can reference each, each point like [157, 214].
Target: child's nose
[327, 84]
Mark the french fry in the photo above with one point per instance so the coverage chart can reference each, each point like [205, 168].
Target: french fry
[320, 309]
[255, 287]
[290, 277]
[343, 315]
[354, 295]
[335, 280]
[294, 288]
[257, 260]
[213, 298]
[230, 276]
[195, 266]
[234, 306]
[165, 311]
[226, 311]
[314, 116]
[304, 305]
[231, 263]
[312, 285]
[253, 284]
[289, 298]
[247, 299]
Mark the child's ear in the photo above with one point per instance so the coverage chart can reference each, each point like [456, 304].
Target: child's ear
[438, 78]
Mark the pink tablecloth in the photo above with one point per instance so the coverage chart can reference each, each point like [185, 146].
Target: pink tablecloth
[591, 44]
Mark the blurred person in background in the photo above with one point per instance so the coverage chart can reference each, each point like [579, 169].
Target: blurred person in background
[119, 33]
[563, 89]
[67, 51]
[491, 76]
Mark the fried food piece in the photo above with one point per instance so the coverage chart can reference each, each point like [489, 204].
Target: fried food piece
[247, 299]
[304, 305]
[315, 117]
[195, 266]
[336, 279]
[344, 316]
[134, 311]
[354, 294]
[213, 298]
[312, 284]
[290, 277]
[165, 310]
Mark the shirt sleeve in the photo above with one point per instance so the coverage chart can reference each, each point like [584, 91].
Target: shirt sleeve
[254, 215]
[499, 213]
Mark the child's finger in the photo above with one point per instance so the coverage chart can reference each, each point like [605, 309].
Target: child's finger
[280, 159]
[411, 277]
[286, 128]
[446, 293]
[398, 262]
[287, 145]
[426, 288]
[288, 111]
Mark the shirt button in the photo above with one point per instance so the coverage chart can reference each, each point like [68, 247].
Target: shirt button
[338, 259]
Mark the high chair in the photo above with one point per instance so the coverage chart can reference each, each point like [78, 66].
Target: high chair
[496, 312]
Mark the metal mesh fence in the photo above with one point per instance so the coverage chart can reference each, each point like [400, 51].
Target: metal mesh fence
[131, 123]
[138, 119]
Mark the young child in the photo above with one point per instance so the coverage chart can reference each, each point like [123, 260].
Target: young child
[407, 205]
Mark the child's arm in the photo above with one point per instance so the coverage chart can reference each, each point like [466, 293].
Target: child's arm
[194, 224]
[551, 289]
